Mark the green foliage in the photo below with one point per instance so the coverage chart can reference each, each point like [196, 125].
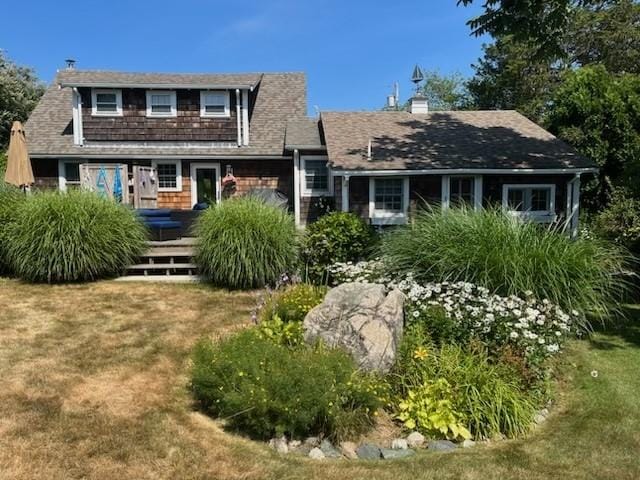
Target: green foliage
[429, 408]
[20, 91]
[445, 92]
[265, 389]
[458, 387]
[337, 237]
[620, 222]
[288, 334]
[507, 256]
[245, 243]
[293, 303]
[75, 236]
[10, 200]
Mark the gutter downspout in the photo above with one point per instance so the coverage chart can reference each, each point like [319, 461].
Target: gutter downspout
[296, 186]
[239, 117]
[245, 117]
[574, 214]
[78, 134]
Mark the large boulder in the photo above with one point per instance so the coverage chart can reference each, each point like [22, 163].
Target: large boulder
[362, 319]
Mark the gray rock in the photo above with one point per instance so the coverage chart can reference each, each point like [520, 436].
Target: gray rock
[348, 449]
[362, 319]
[294, 444]
[279, 444]
[399, 444]
[468, 444]
[314, 441]
[367, 451]
[441, 445]
[329, 450]
[393, 454]
[316, 454]
[415, 440]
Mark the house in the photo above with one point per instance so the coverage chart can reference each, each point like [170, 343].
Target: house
[209, 136]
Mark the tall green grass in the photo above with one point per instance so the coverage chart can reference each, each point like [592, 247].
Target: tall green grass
[245, 243]
[75, 236]
[10, 199]
[509, 256]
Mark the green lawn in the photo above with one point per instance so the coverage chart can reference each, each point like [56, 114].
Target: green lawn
[94, 386]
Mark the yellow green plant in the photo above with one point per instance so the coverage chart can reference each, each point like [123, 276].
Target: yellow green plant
[288, 334]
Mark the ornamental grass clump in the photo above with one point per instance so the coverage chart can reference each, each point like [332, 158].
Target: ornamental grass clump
[245, 243]
[10, 199]
[509, 257]
[75, 236]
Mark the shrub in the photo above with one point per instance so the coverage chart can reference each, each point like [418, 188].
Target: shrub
[245, 243]
[509, 257]
[293, 303]
[620, 222]
[336, 237]
[76, 236]
[462, 389]
[10, 200]
[265, 389]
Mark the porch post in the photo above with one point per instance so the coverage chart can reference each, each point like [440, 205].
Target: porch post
[296, 186]
[345, 193]
[574, 219]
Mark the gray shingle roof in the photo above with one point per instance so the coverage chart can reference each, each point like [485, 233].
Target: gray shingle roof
[304, 133]
[279, 97]
[103, 78]
[443, 140]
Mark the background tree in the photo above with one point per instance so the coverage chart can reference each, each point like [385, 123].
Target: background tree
[445, 92]
[20, 91]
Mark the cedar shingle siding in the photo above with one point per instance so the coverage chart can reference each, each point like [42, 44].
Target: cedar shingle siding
[134, 125]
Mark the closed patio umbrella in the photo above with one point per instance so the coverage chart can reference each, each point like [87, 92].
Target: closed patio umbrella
[19, 172]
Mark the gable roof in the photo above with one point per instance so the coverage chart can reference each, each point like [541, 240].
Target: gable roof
[443, 140]
[278, 98]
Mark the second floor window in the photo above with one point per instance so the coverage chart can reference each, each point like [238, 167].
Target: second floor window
[214, 104]
[106, 102]
[161, 103]
[315, 176]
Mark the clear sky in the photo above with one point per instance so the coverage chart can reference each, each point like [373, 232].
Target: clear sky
[351, 50]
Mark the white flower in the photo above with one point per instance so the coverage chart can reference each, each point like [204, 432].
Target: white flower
[594, 373]
[416, 314]
[514, 335]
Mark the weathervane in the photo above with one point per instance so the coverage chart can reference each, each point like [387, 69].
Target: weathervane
[417, 77]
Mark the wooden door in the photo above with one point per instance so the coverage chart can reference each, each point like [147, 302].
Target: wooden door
[145, 187]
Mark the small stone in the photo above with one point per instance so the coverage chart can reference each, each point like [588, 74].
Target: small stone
[393, 454]
[329, 450]
[367, 451]
[415, 440]
[538, 419]
[348, 450]
[315, 441]
[295, 443]
[399, 444]
[316, 454]
[468, 443]
[442, 445]
[279, 444]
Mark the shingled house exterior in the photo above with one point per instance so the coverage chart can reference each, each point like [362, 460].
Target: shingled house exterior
[195, 129]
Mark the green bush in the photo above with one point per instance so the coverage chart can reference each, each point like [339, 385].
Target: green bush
[509, 257]
[620, 222]
[475, 393]
[265, 389]
[336, 237]
[74, 236]
[245, 243]
[10, 199]
[293, 303]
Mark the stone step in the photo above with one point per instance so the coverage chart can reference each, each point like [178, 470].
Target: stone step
[181, 242]
[169, 252]
[160, 278]
[163, 266]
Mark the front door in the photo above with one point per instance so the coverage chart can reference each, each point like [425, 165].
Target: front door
[205, 183]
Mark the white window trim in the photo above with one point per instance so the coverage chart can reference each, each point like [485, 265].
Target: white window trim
[307, 192]
[178, 164]
[541, 216]
[194, 186]
[94, 106]
[227, 104]
[62, 177]
[174, 104]
[477, 190]
[385, 217]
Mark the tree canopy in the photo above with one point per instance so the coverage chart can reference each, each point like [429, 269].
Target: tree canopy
[445, 92]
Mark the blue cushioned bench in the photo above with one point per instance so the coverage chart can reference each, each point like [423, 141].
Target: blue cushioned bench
[159, 222]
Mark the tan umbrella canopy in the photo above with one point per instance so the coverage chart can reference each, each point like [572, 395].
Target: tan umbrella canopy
[19, 172]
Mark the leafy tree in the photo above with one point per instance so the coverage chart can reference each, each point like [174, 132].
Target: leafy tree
[20, 91]
[509, 77]
[445, 92]
[599, 114]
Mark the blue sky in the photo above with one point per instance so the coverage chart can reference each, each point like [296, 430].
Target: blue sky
[351, 50]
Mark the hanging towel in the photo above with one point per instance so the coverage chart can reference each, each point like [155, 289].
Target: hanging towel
[117, 185]
[102, 185]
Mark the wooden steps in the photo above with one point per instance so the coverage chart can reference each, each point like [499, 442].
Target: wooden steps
[165, 260]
